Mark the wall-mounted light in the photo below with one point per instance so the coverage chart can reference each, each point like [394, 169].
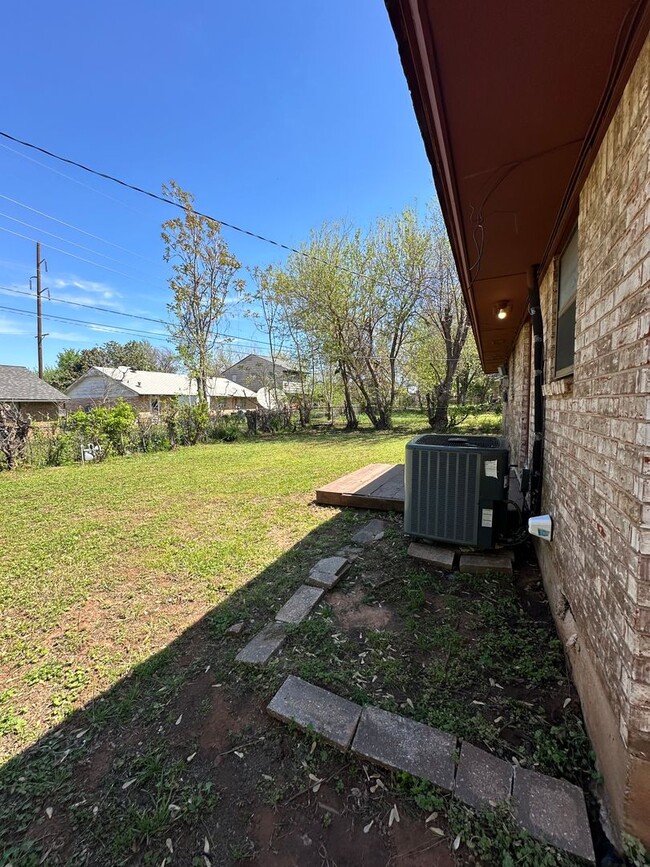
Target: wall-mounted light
[502, 309]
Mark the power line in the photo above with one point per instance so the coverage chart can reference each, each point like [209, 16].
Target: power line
[186, 208]
[92, 325]
[221, 334]
[77, 229]
[81, 304]
[70, 178]
[72, 255]
[65, 240]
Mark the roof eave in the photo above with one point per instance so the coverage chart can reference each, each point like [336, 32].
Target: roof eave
[425, 92]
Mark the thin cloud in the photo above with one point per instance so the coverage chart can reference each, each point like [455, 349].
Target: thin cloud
[7, 326]
[91, 287]
[75, 298]
[68, 336]
[104, 328]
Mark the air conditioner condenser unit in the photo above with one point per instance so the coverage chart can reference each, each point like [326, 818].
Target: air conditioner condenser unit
[456, 489]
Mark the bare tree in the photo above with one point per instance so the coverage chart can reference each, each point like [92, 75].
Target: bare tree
[14, 433]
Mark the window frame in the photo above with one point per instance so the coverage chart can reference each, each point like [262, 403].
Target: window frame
[563, 372]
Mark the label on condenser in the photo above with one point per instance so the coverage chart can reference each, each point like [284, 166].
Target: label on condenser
[486, 517]
[491, 469]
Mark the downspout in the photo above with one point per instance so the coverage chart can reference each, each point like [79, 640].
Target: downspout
[537, 326]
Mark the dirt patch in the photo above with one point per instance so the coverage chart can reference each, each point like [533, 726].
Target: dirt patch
[325, 832]
[352, 612]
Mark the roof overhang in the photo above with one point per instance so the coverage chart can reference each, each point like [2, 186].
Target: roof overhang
[513, 99]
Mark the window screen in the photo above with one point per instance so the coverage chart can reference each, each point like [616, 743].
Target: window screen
[566, 308]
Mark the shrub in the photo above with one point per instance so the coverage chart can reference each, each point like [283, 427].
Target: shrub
[111, 428]
[187, 425]
[227, 429]
[56, 448]
[152, 436]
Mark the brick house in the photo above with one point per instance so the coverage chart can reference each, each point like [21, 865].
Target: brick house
[148, 391]
[535, 118]
[21, 387]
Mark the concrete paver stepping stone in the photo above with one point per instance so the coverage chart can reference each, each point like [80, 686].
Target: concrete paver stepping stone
[481, 564]
[434, 555]
[262, 646]
[298, 606]
[405, 745]
[313, 708]
[328, 572]
[552, 811]
[372, 532]
[482, 780]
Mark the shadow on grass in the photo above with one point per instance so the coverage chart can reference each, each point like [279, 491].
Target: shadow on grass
[146, 771]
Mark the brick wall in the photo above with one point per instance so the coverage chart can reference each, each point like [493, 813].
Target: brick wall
[42, 411]
[596, 459]
[517, 409]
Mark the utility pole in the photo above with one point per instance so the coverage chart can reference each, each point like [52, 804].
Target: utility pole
[39, 314]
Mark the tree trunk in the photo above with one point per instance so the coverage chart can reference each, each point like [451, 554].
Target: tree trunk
[352, 422]
[439, 419]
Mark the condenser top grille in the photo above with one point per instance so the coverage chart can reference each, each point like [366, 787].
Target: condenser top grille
[457, 441]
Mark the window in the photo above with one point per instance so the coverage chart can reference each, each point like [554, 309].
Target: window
[155, 405]
[565, 331]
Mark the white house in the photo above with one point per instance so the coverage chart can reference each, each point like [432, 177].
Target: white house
[148, 390]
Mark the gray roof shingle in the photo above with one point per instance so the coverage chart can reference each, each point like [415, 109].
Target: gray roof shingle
[22, 386]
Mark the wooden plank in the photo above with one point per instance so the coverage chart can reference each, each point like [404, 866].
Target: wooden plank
[394, 475]
[380, 504]
[354, 480]
[376, 486]
[330, 494]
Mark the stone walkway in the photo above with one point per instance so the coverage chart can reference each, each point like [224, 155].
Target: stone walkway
[551, 810]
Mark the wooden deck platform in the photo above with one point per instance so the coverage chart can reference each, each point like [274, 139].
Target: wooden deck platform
[377, 486]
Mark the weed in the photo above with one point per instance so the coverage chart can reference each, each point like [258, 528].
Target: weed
[424, 794]
[493, 838]
[635, 852]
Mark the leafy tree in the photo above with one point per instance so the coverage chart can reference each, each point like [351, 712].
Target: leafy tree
[359, 313]
[137, 354]
[203, 272]
[69, 367]
[324, 299]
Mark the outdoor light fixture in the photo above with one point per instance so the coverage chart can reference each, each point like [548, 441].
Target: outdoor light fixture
[501, 309]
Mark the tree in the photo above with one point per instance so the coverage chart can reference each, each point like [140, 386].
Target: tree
[359, 309]
[163, 359]
[203, 272]
[265, 308]
[137, 354]
[443, 310]
[70, 365]
[14, 433]
[323, 299]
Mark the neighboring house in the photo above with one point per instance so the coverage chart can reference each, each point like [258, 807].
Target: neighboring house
[20, 386]
[535, 117]
[256, 371]
[148, 391]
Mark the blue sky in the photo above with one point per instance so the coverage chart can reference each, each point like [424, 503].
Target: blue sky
[277, 116]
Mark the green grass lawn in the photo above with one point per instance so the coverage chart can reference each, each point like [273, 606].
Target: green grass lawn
[128, 733]
[102, 565]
